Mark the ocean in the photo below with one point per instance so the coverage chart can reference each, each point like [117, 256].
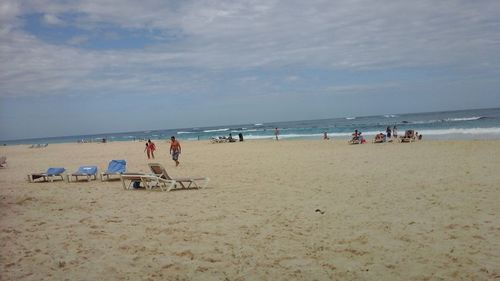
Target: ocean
[447, 125]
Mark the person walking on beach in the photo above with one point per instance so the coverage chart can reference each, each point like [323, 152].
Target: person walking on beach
[175, 150]
[325, 136]
[150, 148]
[276, 133]
[388, 131]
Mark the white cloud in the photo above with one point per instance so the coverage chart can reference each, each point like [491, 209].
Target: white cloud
[228, 35]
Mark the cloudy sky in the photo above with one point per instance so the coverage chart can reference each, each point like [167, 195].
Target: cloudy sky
[83, 67]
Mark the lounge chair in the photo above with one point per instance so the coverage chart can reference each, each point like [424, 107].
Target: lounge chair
[84, 171]
[3, 162]
[379, 138]
[148, 181]
[160, 171]
[409, 136]
[47, 176]
[358, 140]
[354, 141]
[115, 167]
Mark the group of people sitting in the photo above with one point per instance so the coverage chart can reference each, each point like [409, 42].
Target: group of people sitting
[409, 136]
[226, 139]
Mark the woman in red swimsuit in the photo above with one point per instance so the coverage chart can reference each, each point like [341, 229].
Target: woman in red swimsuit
[150, 148]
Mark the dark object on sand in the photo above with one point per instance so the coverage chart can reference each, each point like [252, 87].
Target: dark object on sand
[319, 211]
[240, 136]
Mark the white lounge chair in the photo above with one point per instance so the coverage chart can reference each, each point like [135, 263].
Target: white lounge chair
[159, 171]
[148, 181]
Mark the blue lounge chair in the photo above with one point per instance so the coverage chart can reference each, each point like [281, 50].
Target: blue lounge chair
[47, 176]
[84, 171]
[115, 167]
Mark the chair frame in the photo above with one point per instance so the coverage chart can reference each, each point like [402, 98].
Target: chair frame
[148, 180]
[45, 176]
[185, 183]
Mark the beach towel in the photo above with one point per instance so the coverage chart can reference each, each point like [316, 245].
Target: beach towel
[117, 166]
[49, 175]
[87, 170]
[55, 171]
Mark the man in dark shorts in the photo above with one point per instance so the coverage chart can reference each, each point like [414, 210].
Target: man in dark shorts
[175, 150]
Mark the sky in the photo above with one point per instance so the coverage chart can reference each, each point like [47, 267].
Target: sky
[102, 66]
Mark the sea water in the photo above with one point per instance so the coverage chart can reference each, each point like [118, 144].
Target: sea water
[463, 124]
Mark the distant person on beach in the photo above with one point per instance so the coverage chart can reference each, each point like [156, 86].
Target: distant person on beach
[379, 138]
[325, 136]
[357, 138]
[175, 150]
[356, 134]
[150, 148]
[395, 132]
[276, 133]
[388, 132]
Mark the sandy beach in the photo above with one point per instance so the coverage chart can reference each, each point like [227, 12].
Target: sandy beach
[273, 210]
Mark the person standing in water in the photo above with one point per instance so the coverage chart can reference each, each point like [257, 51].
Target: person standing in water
[276, 133]
[175, 150]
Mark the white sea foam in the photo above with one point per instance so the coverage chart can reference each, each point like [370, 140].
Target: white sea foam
[457, 131]
[216, 130]
[390, 116]
[425, 122]
[437, 132]
[247, 130]
[464, 119]
[350, 118]
[181, 132]
[258, 137]
[258, 124]
[447, 120]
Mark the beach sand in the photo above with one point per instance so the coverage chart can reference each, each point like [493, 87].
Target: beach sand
[273, 210]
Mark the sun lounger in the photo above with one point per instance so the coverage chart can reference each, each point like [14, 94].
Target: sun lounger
[148, 181]
[408, 137]
[159, 170]
[47, 176]
[115, 167]
[379, 138]
[131, 177]
[3, 162]
[84, 171]
[355, 141]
